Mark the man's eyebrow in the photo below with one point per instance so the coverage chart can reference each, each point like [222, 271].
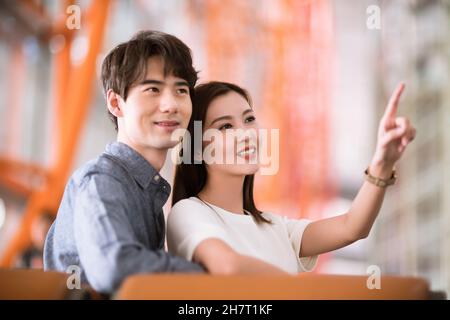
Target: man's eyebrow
[159, 82]
[230, 117]
[181, 83]
[150, 81]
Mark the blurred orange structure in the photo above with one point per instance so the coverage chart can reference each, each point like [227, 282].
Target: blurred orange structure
[295, 92]
[73, 89]
[295, 98]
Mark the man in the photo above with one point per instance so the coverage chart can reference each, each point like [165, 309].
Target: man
[110, 222]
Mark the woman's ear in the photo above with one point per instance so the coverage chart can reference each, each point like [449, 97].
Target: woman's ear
[115, 103]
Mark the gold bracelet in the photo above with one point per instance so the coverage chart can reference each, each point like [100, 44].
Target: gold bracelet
[383, 183]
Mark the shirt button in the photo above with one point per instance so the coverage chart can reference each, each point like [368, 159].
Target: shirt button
[156, 178]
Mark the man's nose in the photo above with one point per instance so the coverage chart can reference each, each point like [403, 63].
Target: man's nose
[168, 102]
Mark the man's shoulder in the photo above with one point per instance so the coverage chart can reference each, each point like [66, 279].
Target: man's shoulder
[104, 165]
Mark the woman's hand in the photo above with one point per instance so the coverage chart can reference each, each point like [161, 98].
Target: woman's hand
[394, 135]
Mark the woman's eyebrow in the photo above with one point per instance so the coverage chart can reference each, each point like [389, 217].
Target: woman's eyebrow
[221, 118]
[230, 117]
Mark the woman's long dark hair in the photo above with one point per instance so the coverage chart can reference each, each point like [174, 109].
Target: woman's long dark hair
[190, 178]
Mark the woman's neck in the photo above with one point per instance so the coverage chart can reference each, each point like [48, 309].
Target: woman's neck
[224, 191]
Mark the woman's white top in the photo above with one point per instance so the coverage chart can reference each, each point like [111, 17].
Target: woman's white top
[191, 221]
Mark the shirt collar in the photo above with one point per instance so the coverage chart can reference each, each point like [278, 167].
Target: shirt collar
[141, 170]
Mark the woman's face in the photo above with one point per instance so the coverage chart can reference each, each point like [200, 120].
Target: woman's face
[233, 140]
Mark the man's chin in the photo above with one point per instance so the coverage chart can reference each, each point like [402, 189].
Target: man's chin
[165, 144]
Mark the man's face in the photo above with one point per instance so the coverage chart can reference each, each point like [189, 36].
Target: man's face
[154, 108]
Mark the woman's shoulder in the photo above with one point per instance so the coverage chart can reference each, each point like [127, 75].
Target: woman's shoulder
[281, 219]
[271, 216]
[192, 206]
[191, 202]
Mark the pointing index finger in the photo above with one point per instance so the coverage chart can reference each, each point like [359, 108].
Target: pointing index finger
[391, 109]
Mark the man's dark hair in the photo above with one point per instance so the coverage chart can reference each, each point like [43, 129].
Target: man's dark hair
[127, 63]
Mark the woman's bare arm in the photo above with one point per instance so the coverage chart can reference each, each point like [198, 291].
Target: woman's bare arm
[333, 233]
[219, 258]
[394, 134]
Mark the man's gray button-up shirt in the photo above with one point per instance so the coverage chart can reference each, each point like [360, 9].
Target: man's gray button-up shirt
[110, 222]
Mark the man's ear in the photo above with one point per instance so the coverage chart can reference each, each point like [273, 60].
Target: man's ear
[115, 103]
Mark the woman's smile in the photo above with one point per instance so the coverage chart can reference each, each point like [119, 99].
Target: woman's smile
[247, 152]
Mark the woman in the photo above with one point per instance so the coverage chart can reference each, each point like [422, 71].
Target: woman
[214, 220]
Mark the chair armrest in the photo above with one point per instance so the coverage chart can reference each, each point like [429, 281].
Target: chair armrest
[302, 286]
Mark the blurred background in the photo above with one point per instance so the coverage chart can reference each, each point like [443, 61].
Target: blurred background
[319, 71]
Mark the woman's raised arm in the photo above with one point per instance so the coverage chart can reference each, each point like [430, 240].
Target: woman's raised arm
[394, 134]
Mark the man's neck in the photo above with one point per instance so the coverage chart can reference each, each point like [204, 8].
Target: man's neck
[156, 157]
